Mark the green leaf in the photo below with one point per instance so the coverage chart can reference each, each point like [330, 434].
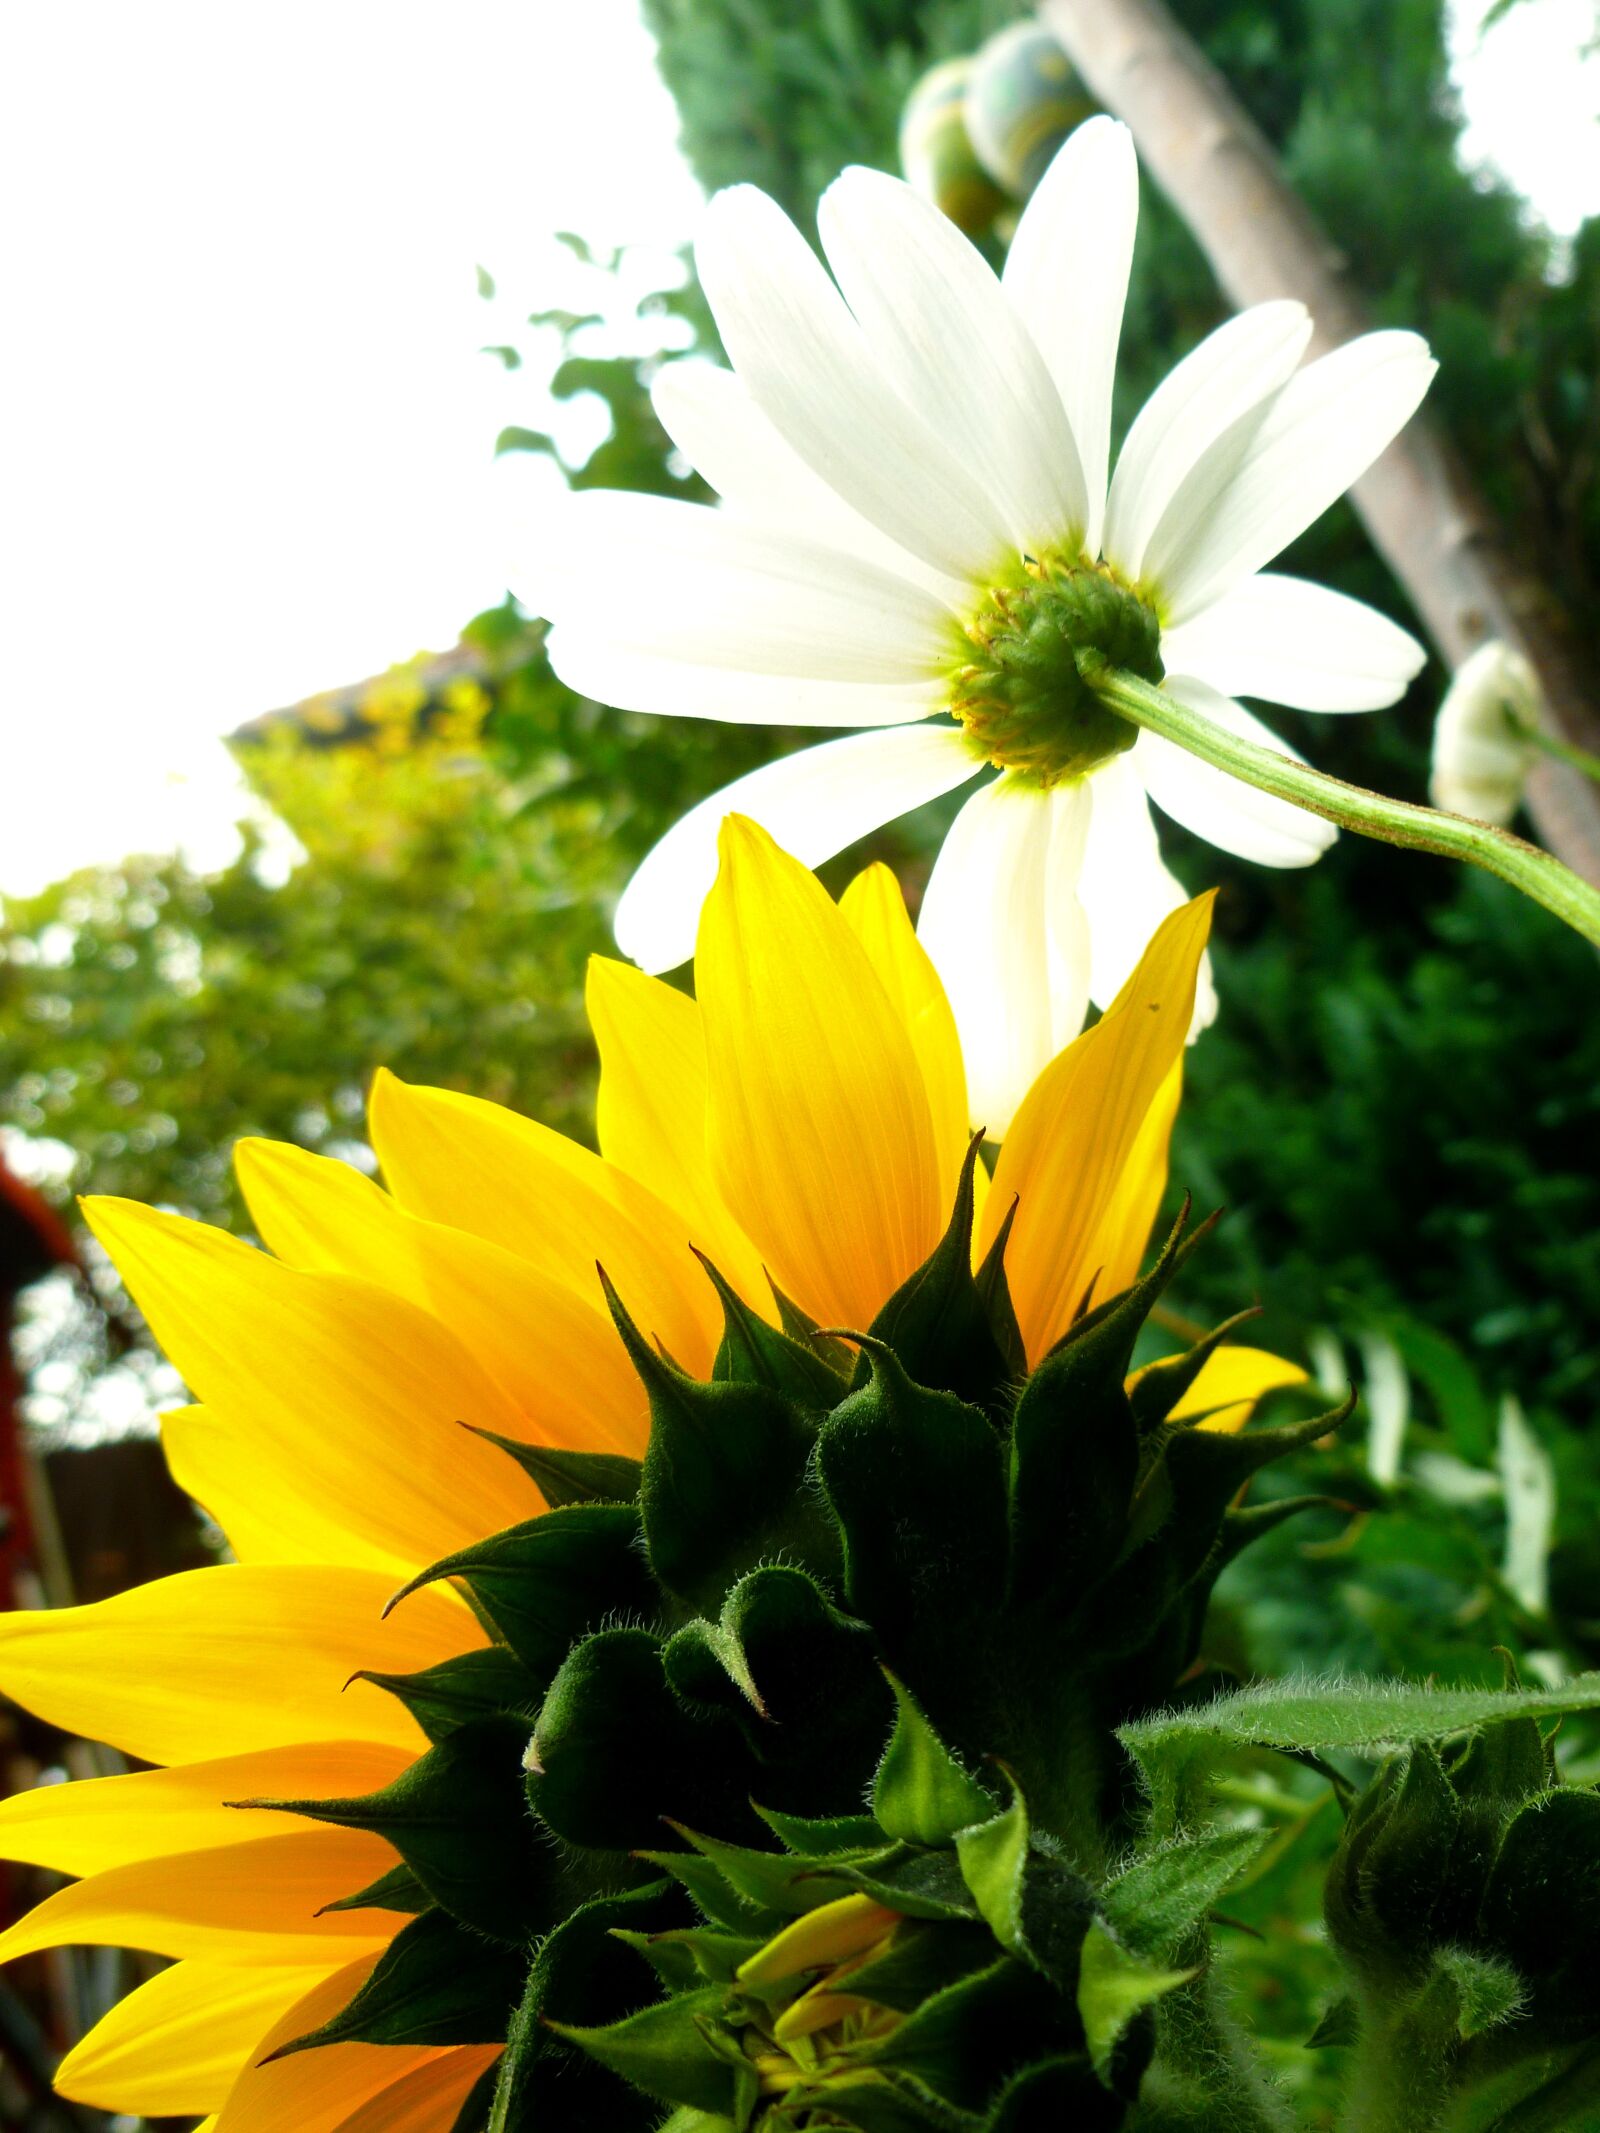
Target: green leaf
[1348, 1712]
[1206, 1469]
[1115, 1985]
[459, 1820]
[1340, 2024]
[545, 1583]
[1075, 1448]
[564, 1477]
[1541, 1909]
[993, 1856]
[690, 1956]
[921, 1794]
[920, 1884]
[722, 1473]
[994, 1292]
[1163, 1384]
[1056, 2093]
[485, 282]
[663, 2050]
[514, 438]
[937, 1321]
[753, 1353]
[817, 1836]
[1503, 1764]
[715, 1897]
[435, 1984]
[963, 2041]
[800, 1680]
[924, 1957]
[916, 1480]
[1488, 1991]
[584, 1972]
[1405, 1868]
[397, 1890]
[615, 1753]
[1157, 1901]
[1530, 1486]
[771, 1882]
[481, 1684]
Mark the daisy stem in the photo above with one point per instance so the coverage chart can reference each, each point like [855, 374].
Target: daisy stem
[1527, 867]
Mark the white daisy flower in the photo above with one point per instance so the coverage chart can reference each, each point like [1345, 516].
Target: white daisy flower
[918, 537]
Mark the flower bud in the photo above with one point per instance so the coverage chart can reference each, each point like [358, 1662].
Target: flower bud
[1481, 752]
[936, 151]
[1023, 99]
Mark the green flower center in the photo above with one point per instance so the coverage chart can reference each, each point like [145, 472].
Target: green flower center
[1021, 683]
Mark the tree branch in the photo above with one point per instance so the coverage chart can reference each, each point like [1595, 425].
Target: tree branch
[1420, 503]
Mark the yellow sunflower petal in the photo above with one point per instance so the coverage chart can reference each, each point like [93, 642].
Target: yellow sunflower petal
[650, 1114]
[237, 1903]
[351, 1394]
[311, 2092]
[230, 1660]
[820, 1134]
[97, 1823]
[1125, 1231]
[556, 1357]
[877, 915]
[265, 1515]
[427, 2099]
[173, 2046]
[1070, 1158]
[1231, 1381]
[480, 1167]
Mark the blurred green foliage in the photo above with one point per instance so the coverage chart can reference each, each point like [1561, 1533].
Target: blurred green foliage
[463, 842]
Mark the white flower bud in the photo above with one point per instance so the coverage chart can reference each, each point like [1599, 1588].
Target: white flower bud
[1481, 752]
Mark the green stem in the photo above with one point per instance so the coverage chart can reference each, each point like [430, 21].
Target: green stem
[1399, 2075]
[1207, 2076]
[1547, 744]
[1369, 814]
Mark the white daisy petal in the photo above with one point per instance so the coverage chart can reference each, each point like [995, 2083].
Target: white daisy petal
[636, 677]
[1234, 371]
[1324, 430]
[1126, 888]
[709, 415]
[792, 339]
[693, 584]
[814, 803]
[1066, 921]
[1224, 810]
[944, 336]
[985, 923]
[1297, 643]
[1066, 273]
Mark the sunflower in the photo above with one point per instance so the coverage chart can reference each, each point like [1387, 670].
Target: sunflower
[803, 1125]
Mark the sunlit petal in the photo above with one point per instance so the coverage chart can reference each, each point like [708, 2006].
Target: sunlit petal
[456, 1159]
[174, 2046]
[232, 1659]
[820, 1135]
[1070, 1145]
[360, 1408]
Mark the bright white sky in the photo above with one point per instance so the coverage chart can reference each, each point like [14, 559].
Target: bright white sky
[245, 431]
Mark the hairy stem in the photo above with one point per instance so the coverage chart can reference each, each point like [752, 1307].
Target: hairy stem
[1535, 872]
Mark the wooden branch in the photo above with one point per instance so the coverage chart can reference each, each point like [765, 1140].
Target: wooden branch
[1420, 503]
